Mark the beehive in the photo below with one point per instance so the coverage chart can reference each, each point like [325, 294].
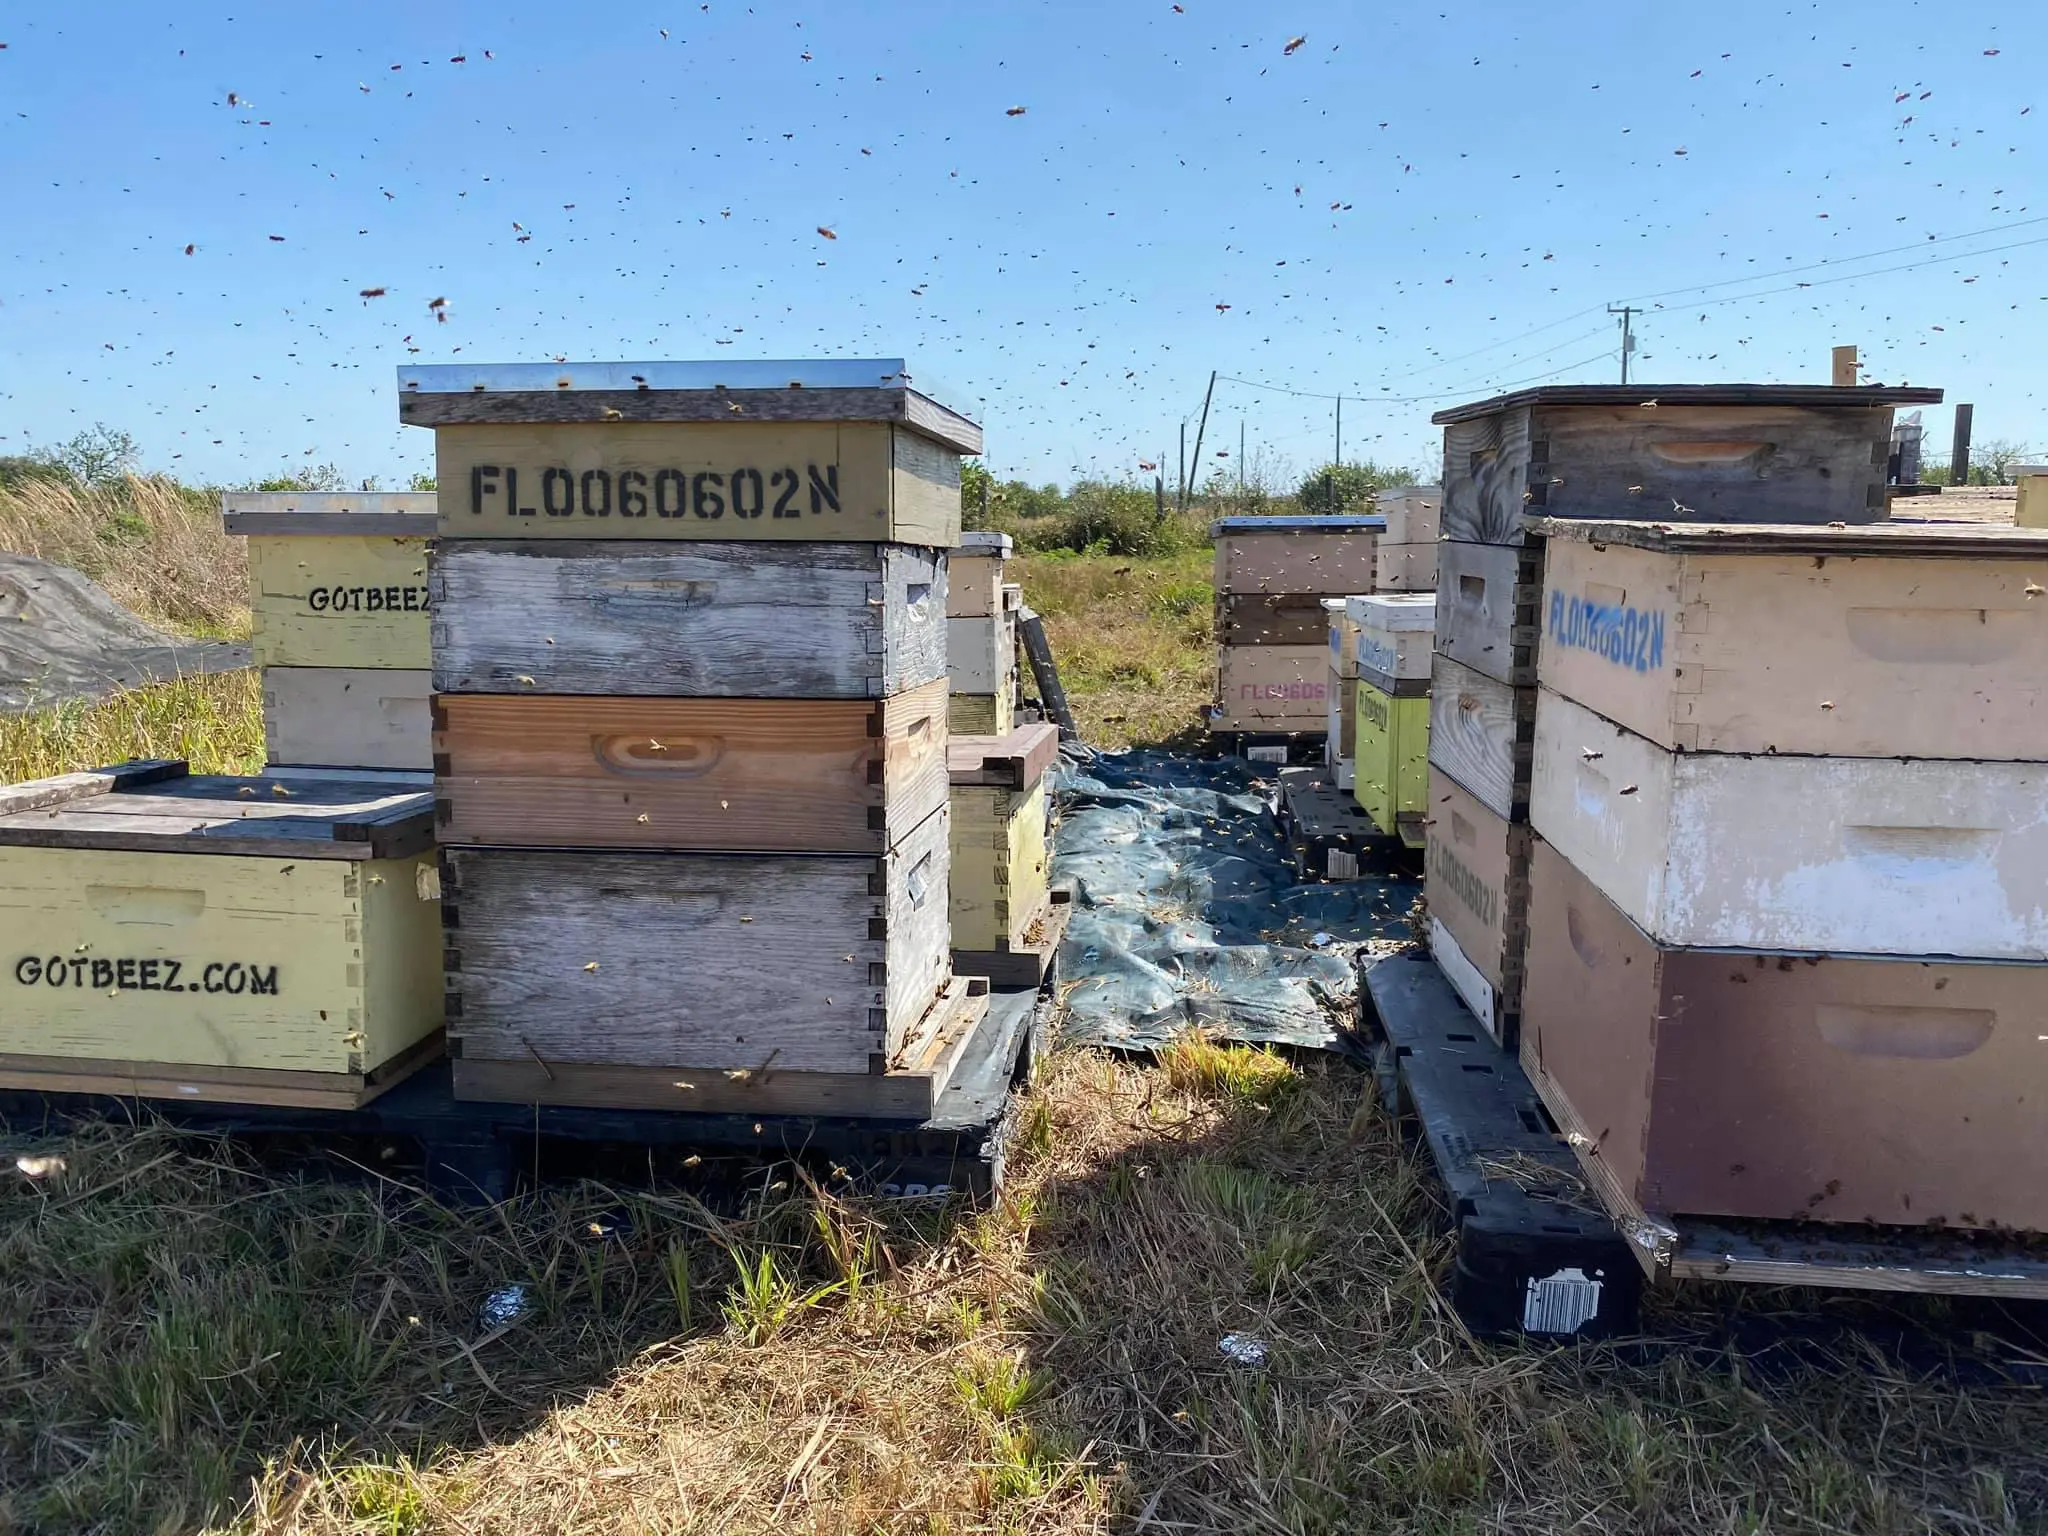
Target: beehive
[336, 578]
[1717, 453]
[1395, 633]
[1413, 514]
[348, 717]
[1272, 688]
[1481, 733]
[1391, 760]
[1271, 618]
[239, 940]
[1891, 640]
[1488, 606]
[1000, 854]
[1404, 568]
[1476, 881]
[1845, 1088]
[1325, 556]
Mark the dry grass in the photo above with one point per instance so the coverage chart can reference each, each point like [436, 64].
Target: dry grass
[176, 1323]
[214, 721]
[1134, 640]
[155, 545]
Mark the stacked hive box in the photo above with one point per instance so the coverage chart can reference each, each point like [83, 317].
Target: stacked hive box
[1341, 709]
[690, 734]
[1272, 577]
[1002, 904]
[338, 602]
[1788, 951]
[1405, 558]
[1390, 690]
[1728, 452]
[981, 636]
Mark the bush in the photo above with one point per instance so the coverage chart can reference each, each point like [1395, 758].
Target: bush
[1338, 488]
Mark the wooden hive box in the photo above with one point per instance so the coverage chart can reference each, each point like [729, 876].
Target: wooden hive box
[1000, 885]
[575, 974]
[1700, 1082]
[974, 576]
[1887, 640]
[1807, 854]
[1404, 568]
[709, 619]
[336, 578]
[1343, 630]
[1489, 603]
[1476, 881]
[707, 775]
[1717, 453]
[691, 450]
[348, 717]
[1271, 618]
[235, 940]
[1413, 513]
[981, 654]
[1395, 634]
[1482, 734]
[1391, 761]
[1271, 688]
[1323, 556]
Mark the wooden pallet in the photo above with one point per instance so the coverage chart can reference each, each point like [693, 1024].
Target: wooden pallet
[192, 1084]
[1028, 962]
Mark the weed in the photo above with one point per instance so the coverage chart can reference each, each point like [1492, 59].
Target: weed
[1198, 1065]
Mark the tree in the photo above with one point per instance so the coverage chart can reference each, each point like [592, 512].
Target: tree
[97, 456]
[423, 482]
[314, 477]
[977, 487]
[1340, 488]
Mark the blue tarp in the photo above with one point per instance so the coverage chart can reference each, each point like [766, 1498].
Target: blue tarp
[1187, 911]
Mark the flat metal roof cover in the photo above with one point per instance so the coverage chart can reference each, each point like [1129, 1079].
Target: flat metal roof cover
[1817, 396]
[707, 373]
[1368, 523]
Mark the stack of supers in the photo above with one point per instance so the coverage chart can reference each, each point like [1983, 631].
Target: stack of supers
[981, 636]
[1690, 452]
[1006, 922]
[1339, 710]
[1391, 651]
[1273, 575]
[338, 605]
[1405, 558]
[690, 734]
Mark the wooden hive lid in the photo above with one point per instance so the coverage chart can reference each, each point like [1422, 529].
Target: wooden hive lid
[156, 806]
[1805, 396]
[985, 545]
[1395, 495]
[402, 514]
[1896, 539]
[1366, 522]
[714, 390]
[1394, 611]
[1015, 761]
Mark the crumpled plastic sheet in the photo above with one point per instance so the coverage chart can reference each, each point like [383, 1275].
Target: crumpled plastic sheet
[1187, 912]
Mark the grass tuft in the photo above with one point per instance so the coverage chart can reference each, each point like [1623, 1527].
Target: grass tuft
[1196, 1064]
[215, 721]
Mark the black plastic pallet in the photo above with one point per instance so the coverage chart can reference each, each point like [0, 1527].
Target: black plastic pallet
[478, 1152]
[1329, 836]
[1299, 746]
[1536, 1252]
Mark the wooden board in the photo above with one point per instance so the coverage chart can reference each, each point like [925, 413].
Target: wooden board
[1482, 733]
[1000, 861]
[980, 714]
[1811, 854]
[706, 775]
[1476, 880]
[1798, 653]
[348, 717]
[908, 1090]
[1948, 536]
[723, 480]
[1343, 637]
[721, 962]
[338, 602]
[1405, 567]
[1414, 513]
[1328, 563]
[1015, 759]
[1488, 606]
[711, 619]
[1496, 1012]
[981, 654]
[1405, 656]
[184, 1083]
[974, 584]
[292, 963]
[1340, 718]
[1717, 1083]
[157, 807]
[1390, 756]
[1272, 688]
[329, 514]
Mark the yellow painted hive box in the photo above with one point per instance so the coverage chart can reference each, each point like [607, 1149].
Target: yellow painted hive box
[336, 579]
[1000, 854]
[1391, 756]
[239, 940]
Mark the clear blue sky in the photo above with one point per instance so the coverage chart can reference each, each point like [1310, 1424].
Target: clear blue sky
[583, 185]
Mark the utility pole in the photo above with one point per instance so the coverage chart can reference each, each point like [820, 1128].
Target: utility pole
[1185, 487]
[1183, 463]
[1240, 460]
[1628, 338]
[1339, 459]
[1959, 453]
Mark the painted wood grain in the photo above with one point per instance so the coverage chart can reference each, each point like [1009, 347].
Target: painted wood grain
[1000, 865]
[1807, 854]
[1476, 881]
[1896, 1092]
[712, 619]
[348, 717]
[752, 481]
[1481, 733]
[1390, 756]
[338, 602]
[980, 714]
[707, 775]
[1272, 687]
[1329, 563]
[715, 962]
[1856, 656]
[296, 963]
[981, 654]
[1486, 480]
[1487, 608]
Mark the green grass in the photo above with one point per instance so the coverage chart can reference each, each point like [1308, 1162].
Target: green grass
[214, 721]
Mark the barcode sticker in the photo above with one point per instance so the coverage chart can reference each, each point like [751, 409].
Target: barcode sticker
[1341, 864]
[1560, 1303]
[1266, 754]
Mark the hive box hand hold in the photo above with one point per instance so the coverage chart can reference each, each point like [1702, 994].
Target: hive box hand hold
[1703, 1082]
[1891, 640]
[709, 775]
[1719, 453]
[712, 619]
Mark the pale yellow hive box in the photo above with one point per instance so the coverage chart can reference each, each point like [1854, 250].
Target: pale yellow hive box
[1001, 896]
[336, 578]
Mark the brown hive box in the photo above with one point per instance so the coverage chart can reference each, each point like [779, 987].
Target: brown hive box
[1476, 880]
[1323, 556]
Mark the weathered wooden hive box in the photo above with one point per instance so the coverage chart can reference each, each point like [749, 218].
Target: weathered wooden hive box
[1709, 1082]
[1321, 556]
[610, 617]
[1489, 603]
[1805, 854]
[1271, 618]
[1339, 710]
[1716, 453]
[1390, 755]
[1001, 889]
[708, 775]
[338, 597]
[1393, 639]
[1405, 560]
[975, 571]
[843, 451]
[1886, 640]
[1482, 733]
[1476, 882]
[1272, 688]
[240, 940]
